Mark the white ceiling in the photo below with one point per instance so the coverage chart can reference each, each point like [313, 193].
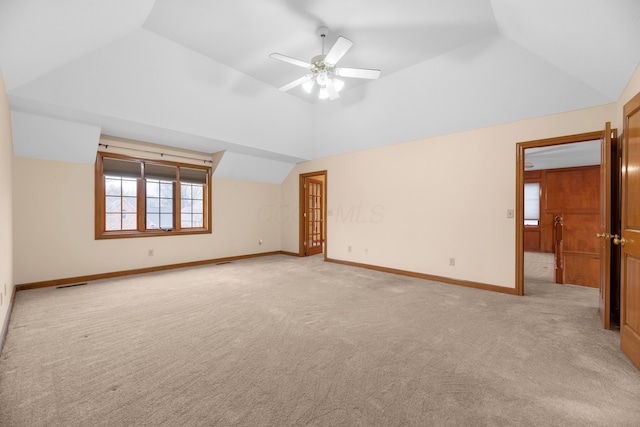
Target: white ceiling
[387, 36]
[564, 156]
[196, 73]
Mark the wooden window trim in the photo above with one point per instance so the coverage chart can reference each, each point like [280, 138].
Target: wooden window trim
[100, 220]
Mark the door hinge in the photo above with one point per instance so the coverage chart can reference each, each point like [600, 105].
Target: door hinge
[305, 243]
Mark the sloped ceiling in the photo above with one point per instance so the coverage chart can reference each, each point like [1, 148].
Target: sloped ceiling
[196, 74]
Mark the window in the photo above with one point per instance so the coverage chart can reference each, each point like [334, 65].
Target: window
[532, 203]
[136, 197]
[159, 207]
[120, 203]
[192, 205]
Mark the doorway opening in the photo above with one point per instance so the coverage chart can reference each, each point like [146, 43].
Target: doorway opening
[313, 212]
[564, 226]
[562, 213]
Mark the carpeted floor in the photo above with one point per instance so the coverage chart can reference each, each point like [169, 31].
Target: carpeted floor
[538, 266]
[284, 341]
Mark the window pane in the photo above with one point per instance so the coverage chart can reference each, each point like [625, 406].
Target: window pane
[166, 205]
[113, 222]
[112, 186]
[112, 204]
[197, 191]
[153, 221]
[185, 191]
[153, 205]
[166, 221]
[120, 211]
[532, 203]
[129, 221]
[185, 220]
[192, 205]
[153, 188]
[159, 200]
[129, 205]
[166, 189]
[129, 187]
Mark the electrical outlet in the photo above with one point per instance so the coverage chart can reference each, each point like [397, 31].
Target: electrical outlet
[510, 213]
[349, 248]
[150, 252]
[366, 251]
[260, 241]
[452, 262]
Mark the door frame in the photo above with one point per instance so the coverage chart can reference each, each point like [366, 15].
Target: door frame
[605, 222]
[521, 147]
[301, 210]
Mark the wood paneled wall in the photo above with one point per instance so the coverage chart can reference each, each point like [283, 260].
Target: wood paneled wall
[573, 193]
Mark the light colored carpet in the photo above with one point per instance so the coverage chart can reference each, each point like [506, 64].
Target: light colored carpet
[538, 266]
[284, 341]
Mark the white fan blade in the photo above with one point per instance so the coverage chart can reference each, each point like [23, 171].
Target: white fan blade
[333, 93]
[290, 60]
[358, 73]
[297, 82]
[338, 50]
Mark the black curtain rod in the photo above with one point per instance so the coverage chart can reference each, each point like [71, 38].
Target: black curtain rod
[106, 146]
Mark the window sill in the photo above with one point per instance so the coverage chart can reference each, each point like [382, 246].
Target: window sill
[150, 233]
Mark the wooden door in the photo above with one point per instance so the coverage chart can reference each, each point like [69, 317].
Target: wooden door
[314, 224]
[604, 228]
[630, 234]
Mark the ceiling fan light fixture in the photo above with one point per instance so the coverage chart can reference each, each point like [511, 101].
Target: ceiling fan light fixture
[338, 84]
[308, 85]
[322, 78]
[323, 94]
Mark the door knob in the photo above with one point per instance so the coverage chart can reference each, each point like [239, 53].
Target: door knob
[617, 240]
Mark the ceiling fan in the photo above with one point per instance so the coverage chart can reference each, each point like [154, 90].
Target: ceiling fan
[324, 72]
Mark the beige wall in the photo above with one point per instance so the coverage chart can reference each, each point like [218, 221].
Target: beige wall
[54, 226]
[413, 206]
[6, 205]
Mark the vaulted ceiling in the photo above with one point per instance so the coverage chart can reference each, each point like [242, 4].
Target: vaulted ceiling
[196, 74]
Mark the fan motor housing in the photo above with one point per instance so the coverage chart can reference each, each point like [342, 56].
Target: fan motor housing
[318, 64]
